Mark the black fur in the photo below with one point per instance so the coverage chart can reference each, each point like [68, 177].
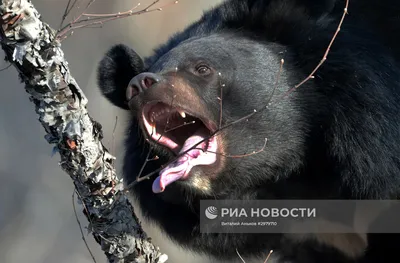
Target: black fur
[336, 137]
[116, 69]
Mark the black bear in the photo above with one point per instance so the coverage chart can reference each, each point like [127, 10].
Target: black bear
[212, 119]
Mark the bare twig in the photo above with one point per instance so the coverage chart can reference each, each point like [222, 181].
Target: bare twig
[180, 126]
[237, 252]
[269, 254]
[6, 67]
[144, 164]
[113, 136]
[222, 85]
[311, 75]
[169, 114]
[278, 77]
[266, 260]
[30, 46]
[239, 155]
[80, 227]
[86, 19]
[86, 8]
[67, 10]
[86, 212]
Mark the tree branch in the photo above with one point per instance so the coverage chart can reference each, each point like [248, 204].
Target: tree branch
[31, 46]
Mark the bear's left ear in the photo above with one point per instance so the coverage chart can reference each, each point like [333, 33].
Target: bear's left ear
[115, 70]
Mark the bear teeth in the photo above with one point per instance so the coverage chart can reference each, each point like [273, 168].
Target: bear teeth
[182, 113]
[155, 115]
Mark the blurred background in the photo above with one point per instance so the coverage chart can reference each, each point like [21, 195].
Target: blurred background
[37, 221]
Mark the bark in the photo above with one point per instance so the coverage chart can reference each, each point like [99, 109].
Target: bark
[30, 45]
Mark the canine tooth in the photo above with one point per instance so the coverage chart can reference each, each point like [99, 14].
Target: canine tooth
[152, 128]
[182, 113]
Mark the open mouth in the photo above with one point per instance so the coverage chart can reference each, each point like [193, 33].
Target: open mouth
[179, 131]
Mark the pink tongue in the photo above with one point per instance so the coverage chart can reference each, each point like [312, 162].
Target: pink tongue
[181, 167]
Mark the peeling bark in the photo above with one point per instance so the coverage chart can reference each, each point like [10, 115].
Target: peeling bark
[30, 45]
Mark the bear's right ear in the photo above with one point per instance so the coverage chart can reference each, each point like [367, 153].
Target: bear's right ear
[115, 70]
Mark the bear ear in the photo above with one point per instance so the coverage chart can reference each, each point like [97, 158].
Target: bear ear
[119, 65]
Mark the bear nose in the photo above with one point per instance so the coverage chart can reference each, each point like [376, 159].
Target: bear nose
[140, 83]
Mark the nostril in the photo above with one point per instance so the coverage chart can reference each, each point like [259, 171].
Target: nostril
[140, 83]
[132, 91]
[147, 82]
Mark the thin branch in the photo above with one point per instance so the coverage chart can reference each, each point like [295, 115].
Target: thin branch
[220, 101]
[113, 14]
[237, 156]
[80, 227]
[91, 225]
[113, 136]
[269, 254]
[67, 10]
[278, 77]
[144, 164]
[169, 114]
[324, 58]
[148, 155]
[6, 67]
[85, 19]
[180, 126]
[237, 252]
[86, 8]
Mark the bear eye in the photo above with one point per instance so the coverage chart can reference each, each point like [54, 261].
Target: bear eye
[203, 70]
